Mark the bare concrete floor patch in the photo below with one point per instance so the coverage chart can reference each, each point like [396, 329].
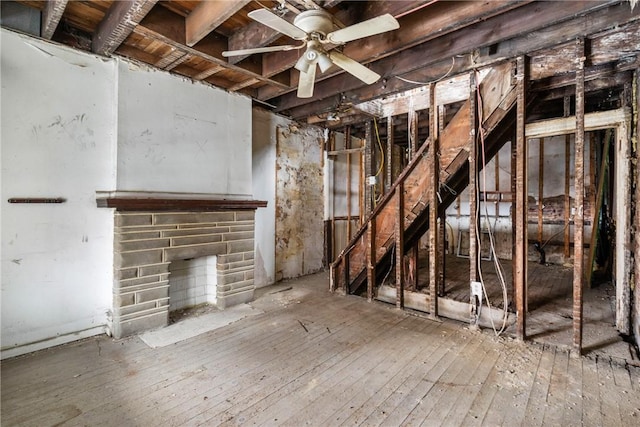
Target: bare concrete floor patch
[194, 326]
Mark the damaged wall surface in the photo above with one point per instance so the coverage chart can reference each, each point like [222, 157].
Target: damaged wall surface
[299, 201]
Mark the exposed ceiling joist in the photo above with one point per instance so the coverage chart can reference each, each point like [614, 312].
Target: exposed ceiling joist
[419, 62]
[118, 23]
[51, 15]
[416, 28]
[209, 15]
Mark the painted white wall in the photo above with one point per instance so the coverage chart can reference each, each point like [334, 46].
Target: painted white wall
[264, 126]
[178, 136]
[58, 140]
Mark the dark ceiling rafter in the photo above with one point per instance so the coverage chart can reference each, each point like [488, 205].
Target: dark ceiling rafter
[119, 21]
[51, 15]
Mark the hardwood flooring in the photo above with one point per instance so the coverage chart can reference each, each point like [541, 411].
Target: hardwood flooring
[319, 359]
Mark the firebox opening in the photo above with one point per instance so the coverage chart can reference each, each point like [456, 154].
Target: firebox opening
[192, 287]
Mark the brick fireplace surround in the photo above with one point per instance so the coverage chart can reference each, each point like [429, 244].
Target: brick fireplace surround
[150, 233]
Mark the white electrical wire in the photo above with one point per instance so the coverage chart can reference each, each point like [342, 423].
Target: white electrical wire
[444, 76]
[498, 266]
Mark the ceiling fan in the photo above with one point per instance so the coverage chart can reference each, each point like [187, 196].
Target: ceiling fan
[316, 28]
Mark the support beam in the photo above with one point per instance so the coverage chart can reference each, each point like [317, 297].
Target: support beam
[410, 64]
[520, 261]
[578, 220]
[636, 228]
[434, 186]
[389, 171]
[118, 23]
[473, 191]
[208, 16]
[368, 170]
[51, 15]
[540, 189]
[567, 183]
[399, 234]
[347, 146]
[371, 259]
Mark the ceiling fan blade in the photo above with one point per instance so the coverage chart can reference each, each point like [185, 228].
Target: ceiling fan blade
[366, 28]
[227, 53]
[271, 20]
[354, 68]
[305, 85]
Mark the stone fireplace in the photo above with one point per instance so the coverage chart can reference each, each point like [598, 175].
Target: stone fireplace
[151, 234]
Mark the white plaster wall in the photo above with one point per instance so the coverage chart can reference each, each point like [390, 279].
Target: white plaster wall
[264, 126]
[58, 140]
[178, 136]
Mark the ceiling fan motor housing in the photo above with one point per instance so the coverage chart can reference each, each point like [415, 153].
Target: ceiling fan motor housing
[314, 21]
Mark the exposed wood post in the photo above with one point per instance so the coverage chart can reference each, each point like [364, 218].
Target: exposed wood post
[389, 171]
[399, 232]
[443, 220]
[540, 188]
[578, 238]
[473, 189]
[567, 184]
[636, 227]
[368, 169]
[412, 122]
[434, 176]
[347, 146]
[371, 258]
[521, 195]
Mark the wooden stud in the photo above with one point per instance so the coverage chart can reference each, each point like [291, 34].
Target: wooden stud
[368, 168]
[473, 187]
[347, 146]
[399, 234]
[578, 238]
[371, 258]
[636, 227]
[434, 176]
[540, 189]
[412, 122]
[521, 192]
[389, 170]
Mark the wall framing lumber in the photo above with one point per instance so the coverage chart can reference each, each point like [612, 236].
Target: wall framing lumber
[369, 194]
[473, 189]
[371, 259]
[434, 187]
[521, 192]
[636, 227]
[399, 235]
[578, 219]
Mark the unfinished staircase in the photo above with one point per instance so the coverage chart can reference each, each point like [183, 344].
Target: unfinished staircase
[369, 256]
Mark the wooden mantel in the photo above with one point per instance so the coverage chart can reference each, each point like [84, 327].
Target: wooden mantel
[176, 204]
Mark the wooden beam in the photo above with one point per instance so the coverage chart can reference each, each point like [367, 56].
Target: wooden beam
[636, 226]
[521, 195]
[167, 27]
[254, 35]
[433, 172]
[368, 169]
[459, 41]
[347, 146]
[540, 189]
[277, 62]
[51, 15]
[389, 171]
[430, 61]
[473, 190]
[118, 23]
[208, 16]
[371, 258]
[399, 237]
[578, 219]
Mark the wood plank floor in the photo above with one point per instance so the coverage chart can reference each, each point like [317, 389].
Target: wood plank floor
[319, 359]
